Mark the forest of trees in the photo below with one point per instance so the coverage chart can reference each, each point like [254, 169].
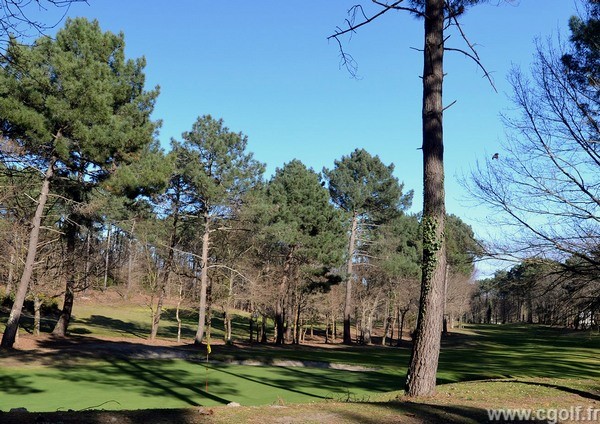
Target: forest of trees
[91, 202]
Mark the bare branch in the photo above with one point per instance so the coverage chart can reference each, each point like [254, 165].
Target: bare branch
[353, 27]
[450, 105]
[477, 61]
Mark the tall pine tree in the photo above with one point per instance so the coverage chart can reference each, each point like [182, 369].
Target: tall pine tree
[366, 189]
[78, 111]
[303, 225]
[214, 163]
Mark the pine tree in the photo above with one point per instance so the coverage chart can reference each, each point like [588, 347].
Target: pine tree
[303, 225]
[366, 189]
[213, 161]
[78, 111]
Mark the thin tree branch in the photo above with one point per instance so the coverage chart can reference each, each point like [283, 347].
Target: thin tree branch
[477, 61]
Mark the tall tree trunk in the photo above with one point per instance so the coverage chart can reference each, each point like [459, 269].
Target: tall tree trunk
[368, 330]
[421, 377]
[327, 328]
[71, 231]
[349, 278]
[88, 265]
[130, 260]
[263, 329]
[445, 303]
[37, 314]
[227, 317]
[297, 325]
[209, 313]
[177, 317]
[368, 323]
[11, 271]
[289, 314]
[203, 281]
[529, 307]
[386, 324]
[12, 325]
[402, 314]
[107, 258]
[251, 327]
[279, 308]
[334, 328]
[168, 266]
[157, 312]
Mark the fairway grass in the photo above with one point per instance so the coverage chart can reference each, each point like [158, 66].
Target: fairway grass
[493, 365]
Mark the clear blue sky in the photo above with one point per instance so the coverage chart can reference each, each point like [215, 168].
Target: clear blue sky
[267, 69]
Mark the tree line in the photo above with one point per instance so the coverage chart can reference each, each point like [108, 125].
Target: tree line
[90, 201]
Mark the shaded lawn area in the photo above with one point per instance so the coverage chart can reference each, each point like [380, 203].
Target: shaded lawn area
[128, 321]
[527, 353]
[135, 384]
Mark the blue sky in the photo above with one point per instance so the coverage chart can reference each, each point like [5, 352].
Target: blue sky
[267, 69]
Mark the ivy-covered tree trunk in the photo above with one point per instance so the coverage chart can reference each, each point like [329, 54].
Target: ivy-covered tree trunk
[203, 281]
[422, 370]
[12, 325]
[349, 277]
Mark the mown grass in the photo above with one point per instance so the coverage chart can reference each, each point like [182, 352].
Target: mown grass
[533, 362]
[123, 320]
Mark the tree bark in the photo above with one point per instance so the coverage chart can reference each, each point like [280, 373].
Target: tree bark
[203, 281]
[162, 291]
[107, 257]
[393, 324]
[11, 268]
[327, 328]
[421, 377]
[88, 265]
[71, 231]
[12, 325]
[263, 329]
[227, 312]
[349, 277]
[386, 323]
[298, 325]
[130, 259]
[177, 317]
[37, 314]
[162, 287]
[279, 308]
[402, 313]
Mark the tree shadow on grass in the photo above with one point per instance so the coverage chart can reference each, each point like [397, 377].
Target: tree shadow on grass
[160, 379]
[571, 390]
[282, 384]
[164, 382]
[431, 413]
[16, 386]
[46, 324]
[112, 324]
